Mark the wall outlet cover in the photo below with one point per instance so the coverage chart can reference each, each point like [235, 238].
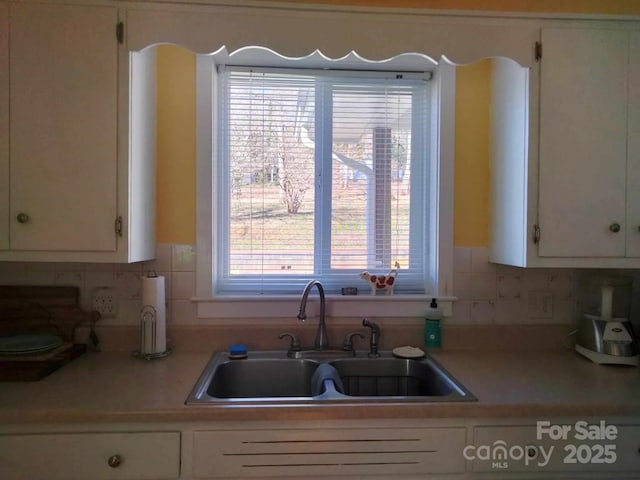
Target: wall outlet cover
[105, 301]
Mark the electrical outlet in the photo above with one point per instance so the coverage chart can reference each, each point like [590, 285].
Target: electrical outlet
[105, 302]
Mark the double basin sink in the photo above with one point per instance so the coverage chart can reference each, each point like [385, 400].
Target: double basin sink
[273, 377]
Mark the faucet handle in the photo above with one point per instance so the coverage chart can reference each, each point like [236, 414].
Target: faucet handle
[295, 345]
[347, 344]
[368, 323]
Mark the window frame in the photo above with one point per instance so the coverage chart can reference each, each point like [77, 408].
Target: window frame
[225, 306]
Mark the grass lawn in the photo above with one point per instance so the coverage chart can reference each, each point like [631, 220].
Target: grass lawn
[263, 233]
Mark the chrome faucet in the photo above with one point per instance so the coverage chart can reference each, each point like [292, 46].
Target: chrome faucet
[321, 341]
[373, 340]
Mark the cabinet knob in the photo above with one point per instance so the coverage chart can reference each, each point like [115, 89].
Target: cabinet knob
[115, 461]
[614, 227]
[22, 218]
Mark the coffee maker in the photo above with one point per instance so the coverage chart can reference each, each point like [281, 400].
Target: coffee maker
[605, 334]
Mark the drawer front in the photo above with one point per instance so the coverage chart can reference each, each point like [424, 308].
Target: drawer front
[512, 449]
[82, 456]
[352, 453]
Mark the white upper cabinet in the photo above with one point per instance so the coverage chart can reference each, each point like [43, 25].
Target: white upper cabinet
[71, 194]
[583, 143]
[572, 191]
[63, 127]
[633, 159]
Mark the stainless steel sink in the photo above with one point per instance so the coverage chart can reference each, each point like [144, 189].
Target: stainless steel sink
[272, 377]
[262, 378]
[396, 377]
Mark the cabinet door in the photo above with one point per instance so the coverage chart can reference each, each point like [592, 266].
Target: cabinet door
[633, 169]
[63, 80]
[95, 456]
[4, 125]
[583, 142]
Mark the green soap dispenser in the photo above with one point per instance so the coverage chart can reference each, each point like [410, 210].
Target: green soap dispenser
[432, 336]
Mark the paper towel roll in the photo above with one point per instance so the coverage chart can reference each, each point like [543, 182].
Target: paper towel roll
[153, 316]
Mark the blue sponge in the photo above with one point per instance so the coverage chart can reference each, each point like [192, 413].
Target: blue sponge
[238, 351]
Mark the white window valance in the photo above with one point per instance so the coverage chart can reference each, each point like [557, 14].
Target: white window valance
[375, 35]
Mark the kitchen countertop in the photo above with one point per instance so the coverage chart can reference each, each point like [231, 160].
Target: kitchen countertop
[115, 387]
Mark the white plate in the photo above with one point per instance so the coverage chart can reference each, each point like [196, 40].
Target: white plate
[408, 352]
[25, 344]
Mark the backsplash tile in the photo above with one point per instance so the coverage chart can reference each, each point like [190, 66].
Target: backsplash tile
[498, 294]
[510, 311]
[128, 284]
[487, 293]
[461, 260]
[162, 262]
[462, 285]
[183, 258]
[508, 286]
[183, 285]
[483, 286]
[483, 312]
[480, 261]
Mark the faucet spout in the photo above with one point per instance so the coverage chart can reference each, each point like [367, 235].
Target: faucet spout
[321, 342]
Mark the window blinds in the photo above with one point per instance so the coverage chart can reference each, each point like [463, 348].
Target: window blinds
[322, 175]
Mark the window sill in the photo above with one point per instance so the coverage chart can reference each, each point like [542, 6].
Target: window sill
[284, 306]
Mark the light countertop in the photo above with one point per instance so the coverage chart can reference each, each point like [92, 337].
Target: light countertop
[115, 387]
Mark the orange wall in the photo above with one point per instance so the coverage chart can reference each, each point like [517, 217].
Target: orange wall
[471, 182]
[176, 157]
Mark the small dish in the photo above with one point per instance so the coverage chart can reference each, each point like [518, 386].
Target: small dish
[28, 344]
[408, 352]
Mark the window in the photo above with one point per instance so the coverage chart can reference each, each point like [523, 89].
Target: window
[320, 174]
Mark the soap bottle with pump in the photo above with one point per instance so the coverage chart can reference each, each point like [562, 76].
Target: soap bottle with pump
[432, 335]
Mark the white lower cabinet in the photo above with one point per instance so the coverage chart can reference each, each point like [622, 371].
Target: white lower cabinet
[347, 452]
[90, 456]
[383, 449]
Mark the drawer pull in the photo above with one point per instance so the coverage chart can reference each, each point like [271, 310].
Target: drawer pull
[22, 218]
[114, 461]
[614, 227]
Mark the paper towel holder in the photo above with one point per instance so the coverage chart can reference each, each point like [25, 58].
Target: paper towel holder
[151, 356]
[148, 327]
[148, 314]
